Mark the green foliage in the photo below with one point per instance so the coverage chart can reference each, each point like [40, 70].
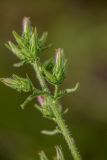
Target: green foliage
[59, 154]
[56, 70]
[28, 49]
[67, 91]
[43, 156]
[18, 83]
[29, 45]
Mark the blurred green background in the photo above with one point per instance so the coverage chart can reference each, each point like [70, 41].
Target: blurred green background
[80, 27]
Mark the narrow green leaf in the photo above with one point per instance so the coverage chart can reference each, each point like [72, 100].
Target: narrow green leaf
[59, 152]
[51, 133]
[19, 64]
[67, 91]
[18, 39]
[72, 89]
[27, 100]
[50, 78]
[43, 39]
[33, 44]
[43, 156]
[12, 47]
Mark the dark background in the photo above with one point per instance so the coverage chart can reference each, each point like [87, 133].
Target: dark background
[80, 27]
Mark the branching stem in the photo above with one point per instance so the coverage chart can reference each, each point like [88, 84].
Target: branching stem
[58, 117]
[28, 49]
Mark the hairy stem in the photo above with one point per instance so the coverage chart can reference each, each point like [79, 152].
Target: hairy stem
[37, 69]
[56, 90]
[65, 132]
[58, 117]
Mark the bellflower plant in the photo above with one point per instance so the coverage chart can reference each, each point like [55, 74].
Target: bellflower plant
[28, 49]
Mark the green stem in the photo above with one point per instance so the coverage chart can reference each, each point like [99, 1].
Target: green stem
[36, 67]
[65, 132]
[56, 90]
[59, 120]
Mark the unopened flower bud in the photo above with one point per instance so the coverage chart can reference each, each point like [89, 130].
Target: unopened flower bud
[60, 66]
[58, 55]
[26, 24]
[18, 83]
[59, 59]
[41, 100]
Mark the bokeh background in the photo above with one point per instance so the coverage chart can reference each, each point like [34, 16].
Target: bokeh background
[80, 27]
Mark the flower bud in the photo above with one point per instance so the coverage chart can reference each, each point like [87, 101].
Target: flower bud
[59, 59]
[60, 66]
[56, 74]
[26, 24]
[18, 83]
[29, 44]
[41, 100]
[58, 55]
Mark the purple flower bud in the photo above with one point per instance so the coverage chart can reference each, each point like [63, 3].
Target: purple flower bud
[41, 100]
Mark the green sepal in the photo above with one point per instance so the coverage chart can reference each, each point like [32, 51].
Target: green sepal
[49, 77]
[45, 110]
[34, 43]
